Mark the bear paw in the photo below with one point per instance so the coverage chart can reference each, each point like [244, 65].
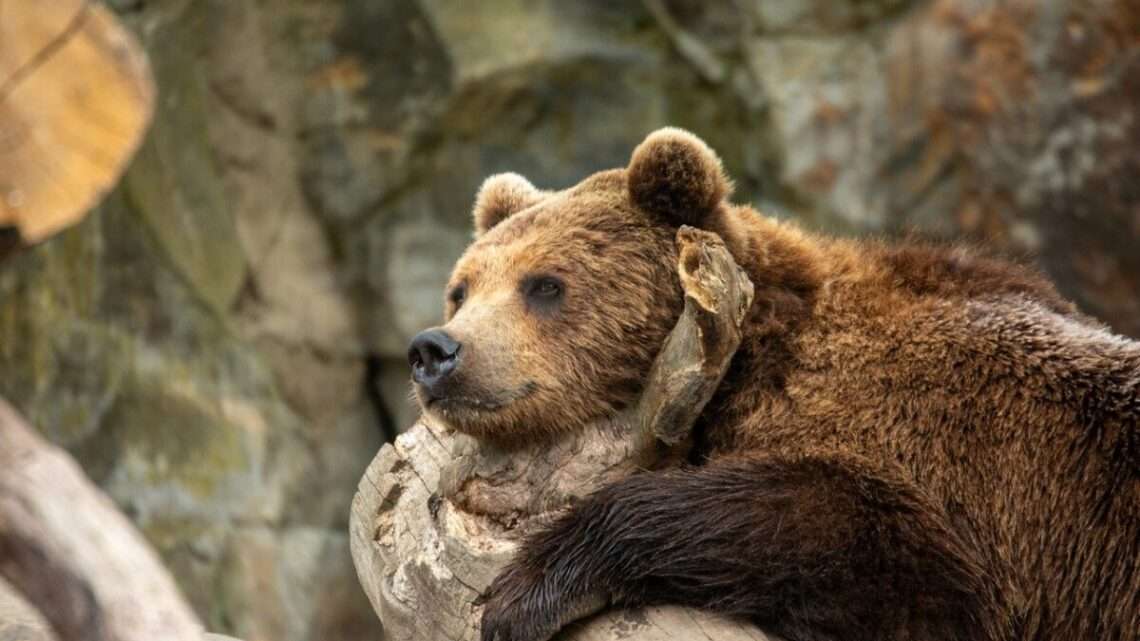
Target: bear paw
[522, 605]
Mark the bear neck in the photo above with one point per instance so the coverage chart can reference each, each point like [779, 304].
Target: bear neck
[785, 266]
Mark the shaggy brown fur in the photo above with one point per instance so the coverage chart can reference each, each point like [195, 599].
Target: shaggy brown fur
[500, 196]
[912, 442]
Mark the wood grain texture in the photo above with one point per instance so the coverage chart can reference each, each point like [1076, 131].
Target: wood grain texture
[69, 551]
[437, 514]
[76, 96]
[18, 620]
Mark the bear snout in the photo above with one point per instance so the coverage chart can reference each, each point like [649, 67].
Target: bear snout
[433, 355]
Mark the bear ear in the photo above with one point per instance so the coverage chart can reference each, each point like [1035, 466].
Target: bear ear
[501, 196]
[675, 175]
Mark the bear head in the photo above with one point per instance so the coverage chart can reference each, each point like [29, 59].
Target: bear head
[554, 314]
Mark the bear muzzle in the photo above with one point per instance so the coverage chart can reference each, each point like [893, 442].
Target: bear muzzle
[433, 355]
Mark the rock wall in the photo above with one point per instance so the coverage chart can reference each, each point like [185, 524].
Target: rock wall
[222, 344]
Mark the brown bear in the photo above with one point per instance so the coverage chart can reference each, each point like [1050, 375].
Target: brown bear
[913, 442]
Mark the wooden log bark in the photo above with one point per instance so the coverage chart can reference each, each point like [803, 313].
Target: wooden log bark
[18, 620]
[438, 514]
[69, 551]
[76, 96]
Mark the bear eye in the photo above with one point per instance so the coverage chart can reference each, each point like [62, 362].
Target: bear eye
[546, 288]
[543, 292]
[458, 294]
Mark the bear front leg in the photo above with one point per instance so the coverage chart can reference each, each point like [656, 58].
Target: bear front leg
[812, 548]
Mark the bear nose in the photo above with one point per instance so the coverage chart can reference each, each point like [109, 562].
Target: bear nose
[432, 355]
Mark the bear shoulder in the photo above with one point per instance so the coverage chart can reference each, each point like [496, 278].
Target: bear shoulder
[964, 271]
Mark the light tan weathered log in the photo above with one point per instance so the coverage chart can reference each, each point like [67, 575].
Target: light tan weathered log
[698, 350]
[18, 620]
[438, 514]
[69, 551]
[76, 96]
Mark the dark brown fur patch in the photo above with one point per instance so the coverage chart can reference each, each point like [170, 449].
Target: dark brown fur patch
[674, 175]
[963, 272]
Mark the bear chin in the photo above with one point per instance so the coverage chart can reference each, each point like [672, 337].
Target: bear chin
[486, 416]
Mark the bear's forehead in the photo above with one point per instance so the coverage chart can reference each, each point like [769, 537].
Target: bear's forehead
[558, 233]
[543, 245]
[595, 203]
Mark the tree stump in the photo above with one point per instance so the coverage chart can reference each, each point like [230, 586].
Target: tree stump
[76, 96]
[438, 514]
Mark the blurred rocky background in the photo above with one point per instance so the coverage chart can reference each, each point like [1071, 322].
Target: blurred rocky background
[221, 345]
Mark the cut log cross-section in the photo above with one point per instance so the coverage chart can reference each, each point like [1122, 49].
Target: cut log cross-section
[75, 98]
[438, 514]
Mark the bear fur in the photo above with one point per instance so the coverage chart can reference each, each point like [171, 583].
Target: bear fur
[913, 442]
